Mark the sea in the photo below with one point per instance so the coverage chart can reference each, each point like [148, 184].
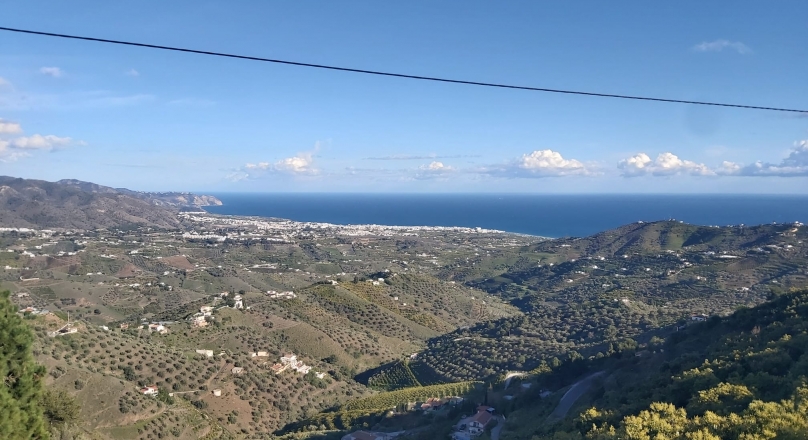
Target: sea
[541, 215]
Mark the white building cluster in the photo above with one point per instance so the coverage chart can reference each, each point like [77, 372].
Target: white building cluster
[281, 295]
[287, 230]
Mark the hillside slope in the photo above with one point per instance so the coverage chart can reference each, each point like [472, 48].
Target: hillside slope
[72, 204]
[176, 199]
[742, 376]
[585, 294]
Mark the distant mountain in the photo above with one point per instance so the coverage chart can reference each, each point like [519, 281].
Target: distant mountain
[178, 199]
[73, 204]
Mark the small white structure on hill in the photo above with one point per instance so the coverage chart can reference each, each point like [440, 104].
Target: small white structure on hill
[150, 390]
[281, 295]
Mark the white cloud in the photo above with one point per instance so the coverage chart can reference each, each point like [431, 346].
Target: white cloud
[8, 154]
[666, 164]
[302, 164]
[794, 165]
[436, 166]
[539, 163]
[39, 142]
[8, 127]
[17, 147]
[4, 82]
[53, 72]
[258, 166]
[719, 45]
[434, 170]
[728, 168]
[549, 161]
[237, 176]
[132, 72]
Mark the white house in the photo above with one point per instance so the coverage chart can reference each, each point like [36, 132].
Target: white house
[159, 328]
[303, 368]
[206, 353]
[150, 390]
[475, 425]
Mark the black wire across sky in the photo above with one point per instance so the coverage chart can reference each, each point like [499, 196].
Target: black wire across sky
[400, 75]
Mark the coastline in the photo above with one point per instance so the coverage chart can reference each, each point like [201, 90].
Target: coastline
[281, 225]
[543, 216]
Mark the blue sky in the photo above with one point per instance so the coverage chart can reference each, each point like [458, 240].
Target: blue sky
[153, 120]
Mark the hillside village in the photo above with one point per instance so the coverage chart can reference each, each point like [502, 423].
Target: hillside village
[272, 326]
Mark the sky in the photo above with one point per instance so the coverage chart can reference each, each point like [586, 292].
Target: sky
[164, 121]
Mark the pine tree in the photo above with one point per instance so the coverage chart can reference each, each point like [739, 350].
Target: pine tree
[21, 412]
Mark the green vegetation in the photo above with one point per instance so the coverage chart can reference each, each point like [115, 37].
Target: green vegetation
[338, 420]
[742, 377]
[389, 319]
[21, 409]
[398, 376]
[391, 399]
[60, 407]
[368, 411]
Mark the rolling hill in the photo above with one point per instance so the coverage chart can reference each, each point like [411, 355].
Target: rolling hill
[72, 204]
[384, 318]
[742, 376]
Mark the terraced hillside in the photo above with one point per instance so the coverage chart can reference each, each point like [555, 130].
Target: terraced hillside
[586, 295]
[399, 316]
[736, 377]
[113, 364]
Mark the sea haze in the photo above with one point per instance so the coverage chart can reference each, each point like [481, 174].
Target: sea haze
[545, 215]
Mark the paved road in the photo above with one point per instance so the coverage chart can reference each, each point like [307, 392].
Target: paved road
[496, 430]
[572, 395]
[511, 375]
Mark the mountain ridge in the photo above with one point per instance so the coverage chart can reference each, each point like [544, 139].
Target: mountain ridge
[74, 204]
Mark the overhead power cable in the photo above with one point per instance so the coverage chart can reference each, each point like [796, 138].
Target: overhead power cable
[400, 75]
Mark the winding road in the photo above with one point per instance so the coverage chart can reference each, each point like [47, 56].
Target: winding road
[572, 395]
[498, 429]
[511, 375]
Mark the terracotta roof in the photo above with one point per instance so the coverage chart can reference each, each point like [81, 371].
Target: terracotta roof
[482, 417]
